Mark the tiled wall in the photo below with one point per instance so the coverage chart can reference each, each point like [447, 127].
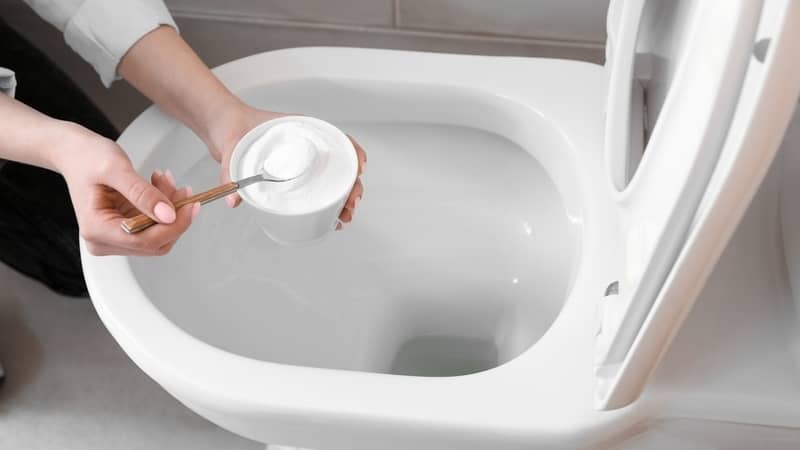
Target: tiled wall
[568, 20]
[222, 30]
[351, 12]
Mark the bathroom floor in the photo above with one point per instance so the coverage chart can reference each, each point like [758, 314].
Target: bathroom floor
[69, 385]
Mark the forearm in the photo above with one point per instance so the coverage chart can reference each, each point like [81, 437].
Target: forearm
[31, 137]
[165, 69]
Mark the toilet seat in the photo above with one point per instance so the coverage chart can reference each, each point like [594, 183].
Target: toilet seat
[716, 85]
[546, 396]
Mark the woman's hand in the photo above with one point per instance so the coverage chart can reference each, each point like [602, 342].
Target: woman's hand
[105, 189]
[239, 118]
[103, 184]
[165, 69]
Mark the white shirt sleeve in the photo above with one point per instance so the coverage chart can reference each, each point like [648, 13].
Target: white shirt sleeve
[102, 31]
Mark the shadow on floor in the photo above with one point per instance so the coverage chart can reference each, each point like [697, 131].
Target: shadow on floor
[20, 352]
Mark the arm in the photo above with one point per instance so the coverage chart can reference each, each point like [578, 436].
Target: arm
[27, 134]
[138, 39]
[164, 68]
[102, 31]
[103, 185]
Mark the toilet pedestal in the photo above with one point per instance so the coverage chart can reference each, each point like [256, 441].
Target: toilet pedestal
[283, 447]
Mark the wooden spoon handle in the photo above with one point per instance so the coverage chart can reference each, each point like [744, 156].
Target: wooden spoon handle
[141, 222]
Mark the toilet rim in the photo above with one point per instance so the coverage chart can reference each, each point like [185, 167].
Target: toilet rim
[183, 363]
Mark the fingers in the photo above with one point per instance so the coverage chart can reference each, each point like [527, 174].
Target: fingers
[346, 216]
[360, 154]
[108, 190]
[144, 196]
[355, 196]
[159, 239]
[106, 238]
[164, 182]
[232, 200]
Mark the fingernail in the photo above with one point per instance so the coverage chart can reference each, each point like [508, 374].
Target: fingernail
[170, 177]
[338, 226]
[164, 213]
[189, 191]
[355, 202]
[158, 173]
[230, 201]
[195, 210]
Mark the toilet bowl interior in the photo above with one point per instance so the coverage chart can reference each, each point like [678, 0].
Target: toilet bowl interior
[460, 256]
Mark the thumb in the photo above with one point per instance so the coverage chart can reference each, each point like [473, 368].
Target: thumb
[143, 195]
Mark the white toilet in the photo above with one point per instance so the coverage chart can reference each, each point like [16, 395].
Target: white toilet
[532, 236]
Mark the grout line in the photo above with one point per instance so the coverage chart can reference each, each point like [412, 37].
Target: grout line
[220, 16]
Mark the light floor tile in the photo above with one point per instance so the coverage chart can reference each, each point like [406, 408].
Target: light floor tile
[69, 386]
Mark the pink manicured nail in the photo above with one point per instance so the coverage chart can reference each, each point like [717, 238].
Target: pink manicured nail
[170, 177]
[230, 201]
[195, 210]
[355, 202]
[164, 213]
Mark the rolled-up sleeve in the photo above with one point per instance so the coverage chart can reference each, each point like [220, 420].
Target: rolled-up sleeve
[102, 31]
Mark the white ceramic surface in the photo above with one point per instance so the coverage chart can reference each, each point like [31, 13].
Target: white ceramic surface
[720, 83]
[459, 311]
[478, 253]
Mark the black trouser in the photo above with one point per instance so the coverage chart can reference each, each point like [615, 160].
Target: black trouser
[38, 230]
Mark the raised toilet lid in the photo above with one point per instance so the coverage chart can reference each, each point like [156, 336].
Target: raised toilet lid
[700, 93]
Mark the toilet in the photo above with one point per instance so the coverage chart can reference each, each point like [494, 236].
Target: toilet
[533, 235]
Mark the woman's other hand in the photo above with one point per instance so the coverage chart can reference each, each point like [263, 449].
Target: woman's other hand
[240, 118]
[105, 189]
[162, 66]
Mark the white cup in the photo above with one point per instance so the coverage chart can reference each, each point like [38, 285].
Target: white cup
[305, 209]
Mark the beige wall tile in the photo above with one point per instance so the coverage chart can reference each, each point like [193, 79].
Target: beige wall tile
[581, 20]
[245, 39]
[219, 41]
[358, 12]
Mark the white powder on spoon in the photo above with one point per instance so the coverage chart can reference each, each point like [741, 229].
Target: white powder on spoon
[290, 151]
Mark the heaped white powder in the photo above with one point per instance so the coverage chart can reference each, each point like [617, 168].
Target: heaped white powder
[320, 153]
[290, 151]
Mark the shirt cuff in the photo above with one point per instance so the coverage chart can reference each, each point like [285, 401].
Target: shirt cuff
[7, 82]
[102, 32]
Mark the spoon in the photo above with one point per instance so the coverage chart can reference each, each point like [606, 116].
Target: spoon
[141, 222]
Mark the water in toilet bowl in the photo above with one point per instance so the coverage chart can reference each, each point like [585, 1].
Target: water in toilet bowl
[467, 282]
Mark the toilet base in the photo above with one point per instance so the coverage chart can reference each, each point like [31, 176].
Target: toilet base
[283, 447]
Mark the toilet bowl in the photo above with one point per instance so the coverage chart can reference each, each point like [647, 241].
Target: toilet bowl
[532, 235]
